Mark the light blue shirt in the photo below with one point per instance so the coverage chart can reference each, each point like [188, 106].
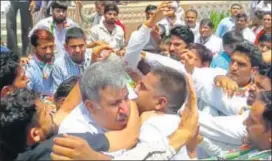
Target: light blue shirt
[221, 61]
[64, 68]
[59, 35]
[224, 26]
[40, 77]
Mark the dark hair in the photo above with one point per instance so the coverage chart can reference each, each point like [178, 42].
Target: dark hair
[236, 4]
[162, 30]
[265, 70]
[242, 15]
[74, 33]
[204, 53]
[150, 8]
[207, 22]
[266, 13]
[62, 4]
[266, 98]
[41, 34]
[172, 85]
[265, 37]
[65, 87]
[9, 63]
[111, 7]
[259, 14]
[232, 37]
[17, 111]
[184, 33]
[192, 10]
[251, 51]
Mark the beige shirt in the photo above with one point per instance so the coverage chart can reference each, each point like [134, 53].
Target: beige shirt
[116, 39]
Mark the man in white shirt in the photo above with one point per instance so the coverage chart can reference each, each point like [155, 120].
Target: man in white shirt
[207, 38]
[57, 25]
[108, 31]
[191, 21]
[241, 23]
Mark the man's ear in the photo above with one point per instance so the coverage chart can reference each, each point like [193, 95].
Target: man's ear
[91, 106]
[33, 136]
[161, 104]
[6, 90]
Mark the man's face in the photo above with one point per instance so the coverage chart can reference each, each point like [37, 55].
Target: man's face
[21, 80]
[241, 23]
[176, 46]
[99, 8]
[261, 83]
[59, 15]
[147, 98]
[45, 50]
[264, 46]
[149, 14]
[112, 111]
[240, 68]
[235, 10]
[205, 31]
[111, 17]
[267, 22]
[190, 19]
[76, 48]
[259, 134]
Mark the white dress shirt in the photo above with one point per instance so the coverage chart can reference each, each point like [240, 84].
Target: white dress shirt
[249, 35]
[158, 127]
[213, 43]
[116, 39]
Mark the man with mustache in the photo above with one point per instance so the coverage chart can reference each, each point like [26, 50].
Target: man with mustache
[57, 24]
[108, 31]
[39, 68]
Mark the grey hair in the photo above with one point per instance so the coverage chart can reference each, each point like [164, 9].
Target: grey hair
[100, 75]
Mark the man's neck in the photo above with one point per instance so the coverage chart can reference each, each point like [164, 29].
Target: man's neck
[60, 26]
[109, 27]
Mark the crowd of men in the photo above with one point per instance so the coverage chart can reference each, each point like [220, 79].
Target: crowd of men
[177, 89]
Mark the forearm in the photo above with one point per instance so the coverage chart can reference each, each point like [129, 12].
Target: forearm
[131, 132]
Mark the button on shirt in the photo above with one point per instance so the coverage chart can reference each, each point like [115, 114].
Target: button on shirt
[59, 35]
[40, 76]
[116, 39]
[213, 43]
[64, 68]
[224, 26]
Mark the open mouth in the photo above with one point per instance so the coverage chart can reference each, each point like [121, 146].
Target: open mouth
[122, 117]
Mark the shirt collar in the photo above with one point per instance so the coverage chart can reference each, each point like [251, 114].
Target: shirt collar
[40, 63]
[103, 27]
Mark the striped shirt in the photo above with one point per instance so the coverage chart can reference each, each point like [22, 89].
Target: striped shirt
[40, 77]
[64, 68]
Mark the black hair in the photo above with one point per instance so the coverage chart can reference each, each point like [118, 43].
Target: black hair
[150, 7]
[242, 15]
[266, 98]
[74, 33]
[236, 4]
[265, 70]
[207, 22]
[204, 53]
[184, 33]
[65, 87]
[265, 37]
[9, 63]
[192, 10]
[172, 85]
[17, 111]
[251, 51]
[111, 7]
[232, 37]
[62, 4]
[266, 13]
